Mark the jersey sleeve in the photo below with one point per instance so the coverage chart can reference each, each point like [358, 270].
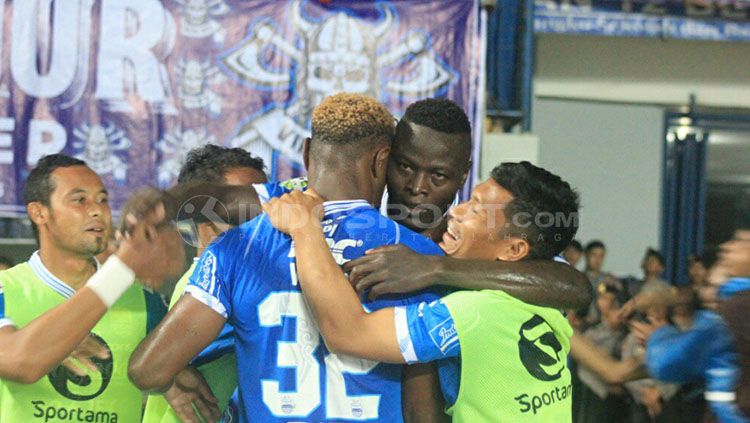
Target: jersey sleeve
[211, 282]
[4, 321]
[426, 332]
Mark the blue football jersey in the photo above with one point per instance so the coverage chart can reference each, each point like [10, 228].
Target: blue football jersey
[286, 374]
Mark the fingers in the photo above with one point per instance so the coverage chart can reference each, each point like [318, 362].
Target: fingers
[381, 289]
[370, 281]
[86, 362]
[208, 410]
[396, 248]
[186, 413]
[73, 367]
[91, 347]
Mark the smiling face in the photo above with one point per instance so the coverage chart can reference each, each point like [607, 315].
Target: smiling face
[477, 228]
[78, 218]
[425, 170]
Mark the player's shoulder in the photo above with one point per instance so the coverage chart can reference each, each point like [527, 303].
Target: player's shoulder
[275, 189]
[17, 273]
[417, 241]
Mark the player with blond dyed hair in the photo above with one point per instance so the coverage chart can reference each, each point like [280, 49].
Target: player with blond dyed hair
[248, 278]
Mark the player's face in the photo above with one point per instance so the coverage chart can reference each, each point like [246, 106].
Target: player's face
[476, 227]
[652, 267]
[595, 259]
[425, 170]
[80, 219]
[244, 176]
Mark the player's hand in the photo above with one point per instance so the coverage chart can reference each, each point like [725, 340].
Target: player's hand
[651, 398]
[190, 389]
[152, 249]
[392, 269]
[89, 348]
[643, 330]
[734, 257]
[295, 212]
[144, 202]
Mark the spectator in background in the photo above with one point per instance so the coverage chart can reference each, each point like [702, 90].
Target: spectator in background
[595, 253]
[597, 401]
[573, 253]
[6, 263]
[653, 266]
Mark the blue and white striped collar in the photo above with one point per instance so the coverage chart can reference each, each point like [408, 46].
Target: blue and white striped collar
[335, 207]
[49, 279]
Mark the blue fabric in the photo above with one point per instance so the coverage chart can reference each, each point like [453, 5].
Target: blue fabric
[734, 286]
[432, 335]
[285, 372]
[705, 353]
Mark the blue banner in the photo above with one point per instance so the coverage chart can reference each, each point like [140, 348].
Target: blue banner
[130, 86]
[707, 20]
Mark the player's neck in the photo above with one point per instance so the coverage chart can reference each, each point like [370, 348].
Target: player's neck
[73, 269]
[333, 187]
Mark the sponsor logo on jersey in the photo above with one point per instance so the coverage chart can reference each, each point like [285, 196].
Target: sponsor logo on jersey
[70, 414]
[84, 388]
[540, 350]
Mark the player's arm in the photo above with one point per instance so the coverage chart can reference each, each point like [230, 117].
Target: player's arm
[186, 330]
[398, 269]
[199, 202]
[422, 400]
[29, 353]
[610, 370]
[345, 326]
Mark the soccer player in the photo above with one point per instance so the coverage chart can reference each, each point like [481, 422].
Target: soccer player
[248, 277]
[512, 354]
[51, 303]
[218, 363]
[429, 163]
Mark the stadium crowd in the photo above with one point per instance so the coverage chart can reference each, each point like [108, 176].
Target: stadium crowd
[477, 320]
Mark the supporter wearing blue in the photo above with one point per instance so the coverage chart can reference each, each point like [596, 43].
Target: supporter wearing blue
[704, 353]
[247, 277]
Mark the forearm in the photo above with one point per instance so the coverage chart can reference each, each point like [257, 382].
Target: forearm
[221, 204]
[587, 354]
[186, 330]
[333, 302]
[31, 352]
[422, 400]
[541, 282]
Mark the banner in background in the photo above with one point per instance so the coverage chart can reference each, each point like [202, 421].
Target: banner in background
[130, 86]
[708, 20]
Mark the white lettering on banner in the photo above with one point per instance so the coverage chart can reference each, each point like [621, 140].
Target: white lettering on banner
[67, 49]
[45, 137]
[7, 125]
[131, 32]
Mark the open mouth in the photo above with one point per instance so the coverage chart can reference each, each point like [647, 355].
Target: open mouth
[451, 240]
[97, 230]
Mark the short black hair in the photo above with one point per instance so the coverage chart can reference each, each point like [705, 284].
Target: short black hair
[650, 252]
[6, 261]
[438, 114]
[595, 244]
[576, 245]
[210, 162]
[39, 187]
[538, 193]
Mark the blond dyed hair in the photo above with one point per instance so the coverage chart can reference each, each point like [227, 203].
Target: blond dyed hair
[346, 118]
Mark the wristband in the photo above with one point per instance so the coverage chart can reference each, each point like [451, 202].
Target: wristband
[111, 280]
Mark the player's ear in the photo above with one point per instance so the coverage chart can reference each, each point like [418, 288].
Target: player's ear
[380, 162]
[38, 213]
[306, 153]
[515, 249]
